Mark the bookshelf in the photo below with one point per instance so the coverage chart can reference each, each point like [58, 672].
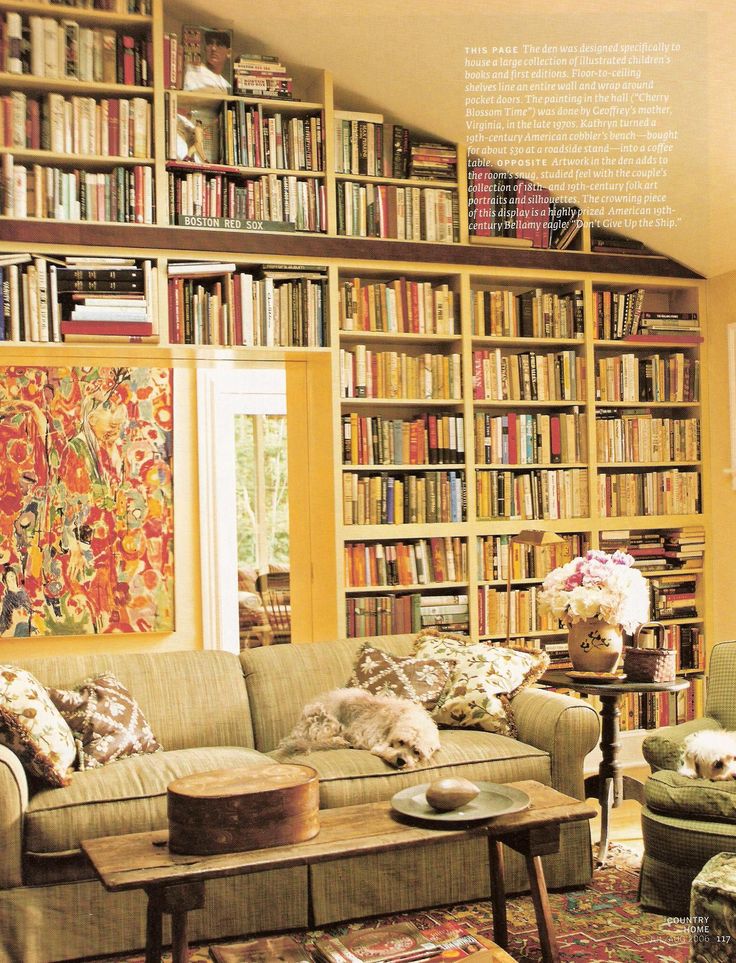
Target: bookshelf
[476, 310]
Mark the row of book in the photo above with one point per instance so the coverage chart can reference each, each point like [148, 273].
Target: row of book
[676, 548]
[110, 127]
[617, 313]
[674, 597]
[529, 439]
[55, 49]
[531, 494]
[527, 561]
[401, 213]
[528, 375]
[395, 375]
[501, 205]
[420, 562]
[628, 377]
[78, 298]
[524, 616]
[401, 306]
[225, 199]
[655, 710]
[277, 308]
[427, 439]
[642, 437]
[244, 135]
[531, 314]
[141, 7]
[385, 499]
[671, 492]
[123, 195]
[399, 614]
[364, 145]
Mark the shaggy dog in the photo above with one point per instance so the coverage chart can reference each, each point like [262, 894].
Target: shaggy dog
[709, 754]
[396, 730]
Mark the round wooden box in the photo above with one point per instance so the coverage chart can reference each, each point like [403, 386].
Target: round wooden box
[233, 810]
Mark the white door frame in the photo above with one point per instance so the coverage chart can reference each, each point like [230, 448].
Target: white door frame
[256, 388]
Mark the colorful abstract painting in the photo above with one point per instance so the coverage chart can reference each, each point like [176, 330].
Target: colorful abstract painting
[86, 507]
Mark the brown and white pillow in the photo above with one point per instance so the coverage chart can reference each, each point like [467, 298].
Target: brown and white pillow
[107, 722]
[419, 680]
[31, 725]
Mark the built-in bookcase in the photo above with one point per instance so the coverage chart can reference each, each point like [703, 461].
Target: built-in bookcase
[475, 390]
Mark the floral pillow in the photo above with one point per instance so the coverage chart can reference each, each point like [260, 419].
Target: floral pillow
[33, 728]
[107, 722]
[482, 682]
[419, 680]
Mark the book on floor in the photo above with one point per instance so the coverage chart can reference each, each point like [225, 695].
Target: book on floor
[269, 949]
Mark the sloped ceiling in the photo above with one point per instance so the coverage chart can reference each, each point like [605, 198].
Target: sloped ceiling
[406, 59]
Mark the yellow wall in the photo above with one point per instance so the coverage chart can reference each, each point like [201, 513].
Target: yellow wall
[721, 311]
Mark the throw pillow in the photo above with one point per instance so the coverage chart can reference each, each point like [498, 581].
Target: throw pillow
[33, 728]
[107, 722]
[419, 680]
[483, 680]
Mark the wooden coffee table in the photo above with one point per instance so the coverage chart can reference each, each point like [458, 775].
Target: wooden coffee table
[175, 883]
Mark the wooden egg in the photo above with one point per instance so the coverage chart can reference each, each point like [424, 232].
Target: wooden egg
[451, 793]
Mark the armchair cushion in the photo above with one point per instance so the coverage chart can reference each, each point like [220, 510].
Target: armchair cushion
[676, 795]
[662, 749]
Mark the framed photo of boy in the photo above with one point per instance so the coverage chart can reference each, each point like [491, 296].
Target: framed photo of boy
[207, 58]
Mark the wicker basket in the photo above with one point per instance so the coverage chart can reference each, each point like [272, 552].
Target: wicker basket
[650, 664]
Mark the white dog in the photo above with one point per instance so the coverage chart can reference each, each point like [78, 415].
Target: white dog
[398, 731]
[709, 754]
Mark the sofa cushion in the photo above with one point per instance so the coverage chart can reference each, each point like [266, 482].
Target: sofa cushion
[483, 679]
[107, 722]
[351, 776]
[33, 728]
[419, 680]
[129, 797]
[190, 699]
[675, 795]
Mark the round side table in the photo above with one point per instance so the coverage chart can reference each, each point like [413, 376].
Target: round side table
[610, 786]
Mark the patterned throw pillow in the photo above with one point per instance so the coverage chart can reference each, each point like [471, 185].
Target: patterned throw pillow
[107, 722]
[483, 680]
[419, 680]
[32, 727]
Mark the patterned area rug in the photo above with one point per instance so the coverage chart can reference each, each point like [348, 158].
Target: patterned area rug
[598, 924]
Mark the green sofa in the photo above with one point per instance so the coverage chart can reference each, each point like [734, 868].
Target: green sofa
[211, 710]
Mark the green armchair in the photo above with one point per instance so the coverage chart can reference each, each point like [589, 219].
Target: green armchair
[687, 821]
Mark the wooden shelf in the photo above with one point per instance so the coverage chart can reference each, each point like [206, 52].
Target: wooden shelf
[644, 345]
[269, 104]
[97, 161]
[403, 402]
[70, 86]
[82, 15]
[491, 341]
[520, 467]
[398, 181]
[448, 587]
[367, 337]
[457, 466]
[614, 466]
[647, 404]
[516, 403]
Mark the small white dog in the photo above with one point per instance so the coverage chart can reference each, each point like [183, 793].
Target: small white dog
[398, 731]
[709, 754]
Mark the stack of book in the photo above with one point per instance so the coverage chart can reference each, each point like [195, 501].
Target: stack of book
[674, 598]
[262, 75]
[682, 327]
[618, 313]
[432, 161]
[399, 943]
[685, 547]
[104, 298]
[646, 548]
[359, 146]
[533, 314]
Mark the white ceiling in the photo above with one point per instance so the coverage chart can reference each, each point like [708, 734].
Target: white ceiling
[405, 58]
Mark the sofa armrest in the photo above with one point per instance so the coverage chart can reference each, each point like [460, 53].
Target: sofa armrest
[13, 804]
[662, 749]
[564, 727]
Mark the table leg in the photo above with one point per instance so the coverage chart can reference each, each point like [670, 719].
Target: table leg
[179, 942]
[542, 911]
[606, 797]
[498, 893]
[610, 745]
[154, 919]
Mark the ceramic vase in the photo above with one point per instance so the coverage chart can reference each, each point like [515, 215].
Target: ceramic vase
[595, 646]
